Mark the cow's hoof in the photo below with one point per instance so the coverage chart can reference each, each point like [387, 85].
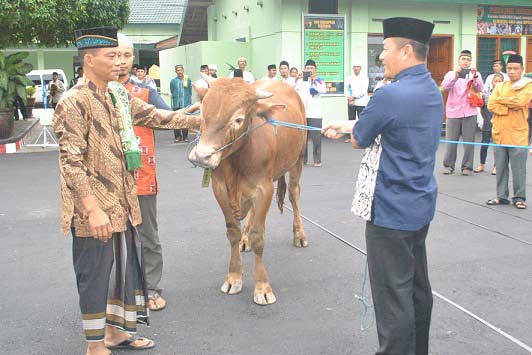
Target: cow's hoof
[263, 294]
[264, 299]
[232, 286]
[300, 243]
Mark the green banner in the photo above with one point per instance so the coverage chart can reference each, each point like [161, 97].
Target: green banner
[500, 20]
[324, 42]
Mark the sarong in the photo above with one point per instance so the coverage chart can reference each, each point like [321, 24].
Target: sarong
[110, 283]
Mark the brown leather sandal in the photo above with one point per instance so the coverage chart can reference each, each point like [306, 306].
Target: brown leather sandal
[156, 302]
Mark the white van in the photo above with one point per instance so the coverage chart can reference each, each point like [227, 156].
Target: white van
[44, 76]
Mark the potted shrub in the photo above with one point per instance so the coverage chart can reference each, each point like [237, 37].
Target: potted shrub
[30, 97]
[13, 82]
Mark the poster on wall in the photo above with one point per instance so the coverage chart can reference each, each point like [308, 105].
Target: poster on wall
[502, 20]
[324, 42]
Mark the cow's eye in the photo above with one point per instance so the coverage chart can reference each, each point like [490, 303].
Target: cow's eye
[239, 120]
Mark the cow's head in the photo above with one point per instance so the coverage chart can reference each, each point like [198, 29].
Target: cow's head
[228, 109]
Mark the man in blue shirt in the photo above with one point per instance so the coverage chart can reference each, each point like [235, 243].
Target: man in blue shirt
[396, 188]
[181, 90]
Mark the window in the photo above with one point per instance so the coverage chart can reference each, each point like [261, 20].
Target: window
[490, 48]
[375, 68]
[323, 7]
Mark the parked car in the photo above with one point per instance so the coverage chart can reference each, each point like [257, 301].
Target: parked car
[45, 76]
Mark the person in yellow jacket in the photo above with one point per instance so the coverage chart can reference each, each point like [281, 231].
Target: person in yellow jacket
[509, 104]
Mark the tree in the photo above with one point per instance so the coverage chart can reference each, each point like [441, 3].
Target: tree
[49, 23]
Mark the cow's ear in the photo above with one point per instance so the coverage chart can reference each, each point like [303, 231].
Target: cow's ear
[268, 108]
[200, 91]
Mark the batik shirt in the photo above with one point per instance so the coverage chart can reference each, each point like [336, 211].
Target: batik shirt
[91, 160]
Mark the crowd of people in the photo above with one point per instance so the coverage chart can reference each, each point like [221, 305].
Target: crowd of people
[109, 184]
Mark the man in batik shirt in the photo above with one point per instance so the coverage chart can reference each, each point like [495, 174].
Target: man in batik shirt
[99, 195]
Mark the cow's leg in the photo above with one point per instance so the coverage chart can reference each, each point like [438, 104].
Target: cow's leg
[244, 242]
[233, 280]
[294, 191]
[263, 293]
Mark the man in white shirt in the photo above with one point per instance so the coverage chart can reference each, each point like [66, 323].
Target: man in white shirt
[272, 72]
[497, 68]
[247, 76]
[213, 70]
[284, 70]
[310, 87]
[56, 88]
[356, 91]
[202, 83]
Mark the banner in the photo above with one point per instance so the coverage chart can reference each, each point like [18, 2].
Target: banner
[324, 42]
[500, 20]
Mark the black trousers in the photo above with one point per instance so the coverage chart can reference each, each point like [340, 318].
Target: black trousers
[315, 137]
[180, 134]
[400, 287]
[19, 104]
[353, 112]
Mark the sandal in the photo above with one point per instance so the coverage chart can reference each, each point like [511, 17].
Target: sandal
[520, 205]
[129, 344]
[494, 171]
[479, 169]
[156, 302]
[497, 201]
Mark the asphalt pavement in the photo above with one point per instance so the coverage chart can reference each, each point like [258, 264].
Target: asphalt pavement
[480, 258]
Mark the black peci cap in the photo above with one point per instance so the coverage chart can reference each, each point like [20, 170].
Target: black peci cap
[515, 58]
[97, 37]
[271, 66]
[407, 27]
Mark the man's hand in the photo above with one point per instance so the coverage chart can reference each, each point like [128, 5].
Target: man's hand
[457, 71]
[338, 129]
[474, 71]
[100, 225]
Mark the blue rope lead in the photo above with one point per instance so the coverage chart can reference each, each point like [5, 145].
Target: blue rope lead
[310, 128]
[364, 325]
[486, 144]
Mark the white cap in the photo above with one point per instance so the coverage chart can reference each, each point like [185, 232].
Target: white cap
[213, 67]
[357, 63]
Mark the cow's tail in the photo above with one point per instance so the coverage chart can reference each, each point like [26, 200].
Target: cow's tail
[281, 192]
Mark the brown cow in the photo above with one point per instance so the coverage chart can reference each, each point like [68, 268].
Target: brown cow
[243, 175]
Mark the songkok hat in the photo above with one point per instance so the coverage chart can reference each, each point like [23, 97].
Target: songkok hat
[284, 62]
[178, 66]
[497, 61]
[272, 66]
[213, 67]
[204, 66]
[466, 53]
[97, 37]
[515, 58]
[310, 62]
[407, 27]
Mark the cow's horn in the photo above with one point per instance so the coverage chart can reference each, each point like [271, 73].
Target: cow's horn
[208, 78]
[261, 94]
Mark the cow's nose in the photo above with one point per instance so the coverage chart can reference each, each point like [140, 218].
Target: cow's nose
[199, 157]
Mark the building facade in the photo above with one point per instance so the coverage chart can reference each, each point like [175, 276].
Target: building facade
[268, 31]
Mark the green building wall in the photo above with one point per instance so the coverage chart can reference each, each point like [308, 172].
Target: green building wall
[272, 32]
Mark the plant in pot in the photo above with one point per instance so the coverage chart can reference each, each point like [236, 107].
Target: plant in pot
[30, 97]
[13, 82]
